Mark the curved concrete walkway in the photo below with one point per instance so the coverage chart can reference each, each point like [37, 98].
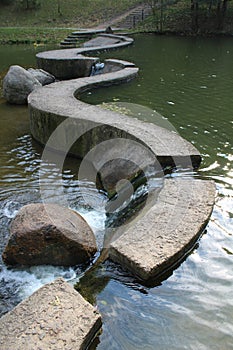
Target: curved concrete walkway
[161, 237]
[162, 234]
[70, 63]
[174, 220]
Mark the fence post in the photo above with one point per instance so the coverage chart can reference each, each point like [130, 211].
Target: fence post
[134, 21]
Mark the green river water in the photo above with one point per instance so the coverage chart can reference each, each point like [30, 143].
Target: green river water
[188, 81]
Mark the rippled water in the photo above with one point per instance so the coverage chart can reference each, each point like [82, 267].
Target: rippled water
[188, 81]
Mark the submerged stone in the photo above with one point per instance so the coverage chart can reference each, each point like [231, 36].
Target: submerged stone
[49, 234]
[54, 317]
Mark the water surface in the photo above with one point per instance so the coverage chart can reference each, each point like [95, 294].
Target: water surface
[189, 81]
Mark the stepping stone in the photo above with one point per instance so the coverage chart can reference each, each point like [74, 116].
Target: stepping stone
[102, 41]
[159, 238]
[54, 317]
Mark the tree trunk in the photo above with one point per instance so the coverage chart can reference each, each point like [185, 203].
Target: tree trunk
[194, 16]
[59, 7]
[161, 16]
[224, 8]
[221, 13]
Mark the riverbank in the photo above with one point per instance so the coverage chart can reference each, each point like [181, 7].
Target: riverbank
[178, 19]
[32, 35]
[49, 24]
[62, 13]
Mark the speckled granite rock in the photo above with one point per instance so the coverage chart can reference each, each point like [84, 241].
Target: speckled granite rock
[55, 317]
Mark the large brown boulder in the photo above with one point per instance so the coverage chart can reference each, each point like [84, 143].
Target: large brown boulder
[49, 234]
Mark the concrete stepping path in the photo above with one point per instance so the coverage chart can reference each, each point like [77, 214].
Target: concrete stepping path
[166, 233]
[54, 317]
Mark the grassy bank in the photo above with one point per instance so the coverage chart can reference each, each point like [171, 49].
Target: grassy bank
[53, 20]
[32, 35]
[63, 13]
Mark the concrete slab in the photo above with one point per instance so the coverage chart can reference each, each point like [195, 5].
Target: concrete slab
[54, 317]
[105, 40]
[55, 103]
[163, 234]
[156, 241]
[101, 41]
[69, 64]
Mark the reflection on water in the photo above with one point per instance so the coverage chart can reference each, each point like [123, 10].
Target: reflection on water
[188, 81]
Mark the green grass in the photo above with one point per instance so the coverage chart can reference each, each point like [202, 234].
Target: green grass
[47, 25]
[73, 13]
[31, 35]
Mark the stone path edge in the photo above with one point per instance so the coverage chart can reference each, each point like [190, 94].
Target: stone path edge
[45, 116]
[154, 244]
[54, 317]
[41, 105]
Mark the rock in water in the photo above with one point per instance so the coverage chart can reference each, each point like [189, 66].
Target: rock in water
[49, 234]
[18, 84]
[42, 76]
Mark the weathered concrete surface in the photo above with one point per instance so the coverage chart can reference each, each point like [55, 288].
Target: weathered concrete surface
[45, 115]
[169, 227]
[17, 85]
[156, 241]
[49, 234]
[70, 64]
[66, 65]
[104, 40]
[55, 317]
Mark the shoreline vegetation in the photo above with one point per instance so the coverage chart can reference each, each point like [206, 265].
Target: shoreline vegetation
[50, 21]
[189, 17]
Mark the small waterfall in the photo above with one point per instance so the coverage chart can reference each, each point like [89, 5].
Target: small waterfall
[97, 68]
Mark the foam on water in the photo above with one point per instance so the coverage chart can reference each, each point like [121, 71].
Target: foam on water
[10, 209]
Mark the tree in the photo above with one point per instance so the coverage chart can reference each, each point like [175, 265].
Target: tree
[194, 15]
[29, 4]
[221, 10]
[59, 7]
[221, 13]
[157, 5]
